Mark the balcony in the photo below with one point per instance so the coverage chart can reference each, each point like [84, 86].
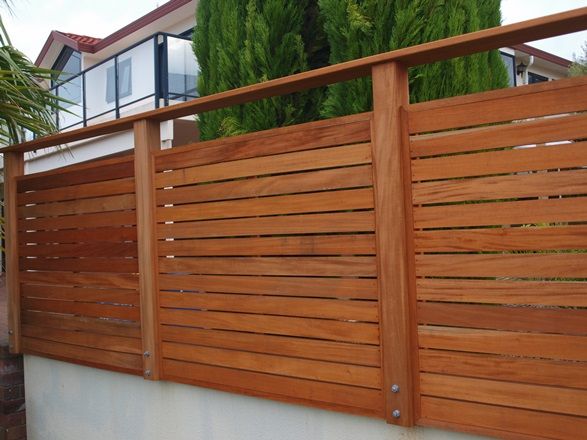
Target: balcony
[155, 72]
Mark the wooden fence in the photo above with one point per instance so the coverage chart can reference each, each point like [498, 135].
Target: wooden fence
[421, 263]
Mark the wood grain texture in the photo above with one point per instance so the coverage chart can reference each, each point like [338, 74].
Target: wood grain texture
[331, 179]
[549, 98]
[354, 354]
[511, 369]
[526, 396]
[147, 139]
[504, 422]
[265, 165]
[360, 244]
[551, 157]
[390, 94]
[560, 347]
[13, 168]
[272, 305]
[356, 332]
[358, 221]
[310, 287]
[323, 395]
[538, 131]
[356, 375]
[546, 293]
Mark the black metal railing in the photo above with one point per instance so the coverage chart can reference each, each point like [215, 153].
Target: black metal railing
[156, 71]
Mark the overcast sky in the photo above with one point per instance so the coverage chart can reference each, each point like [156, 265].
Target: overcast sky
[33, 20]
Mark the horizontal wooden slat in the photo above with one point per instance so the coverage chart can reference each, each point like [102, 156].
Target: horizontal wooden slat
[76, 192]
[102, 249]
[127, 362]
[96, 220]
[502, 239]
[501, 187]
[82, 206]
[505, 420]
[570, 209]
[271, 305]
[549, 293]
[82, 308]
[558, 399]
[99, 171]
[291, 204]
[355, 354]
[300, 245]
[130, 329]
[106, 280]
[280, 163]
[361, 221]
[84, 339]
[338, 178]
[86, 294]
[548, 98]
[116, 265]
[279, 325]
[357, 288]
[552, 157]
[90, 235]
[555, 265]
[308, 266]
[356, 375]
[497, 136]
[366, 401]
[331, 132]
[511, 369]
[536, 345]
[563, 321]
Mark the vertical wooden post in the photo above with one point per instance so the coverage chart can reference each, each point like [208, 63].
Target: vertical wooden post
[13, 167]
[147, 139]
[393, 234]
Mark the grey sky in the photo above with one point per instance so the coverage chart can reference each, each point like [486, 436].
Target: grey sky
[33, 20]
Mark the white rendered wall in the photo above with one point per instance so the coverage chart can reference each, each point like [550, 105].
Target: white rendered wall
[70, 402]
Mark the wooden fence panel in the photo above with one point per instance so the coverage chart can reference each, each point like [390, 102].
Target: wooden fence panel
[267, 265]
[501, 257]
[77, 243]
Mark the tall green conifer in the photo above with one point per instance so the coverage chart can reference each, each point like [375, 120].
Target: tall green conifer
[358, 28]
[242, 42]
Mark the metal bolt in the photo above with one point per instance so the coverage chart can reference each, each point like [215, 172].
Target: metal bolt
[10, 332]
[148, 373]
[395, 413]
[395, 388]
[147, 354]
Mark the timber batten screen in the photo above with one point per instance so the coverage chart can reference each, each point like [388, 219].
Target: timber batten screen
[425, 263]
[500, 219]
[267, 264]
[78, 259]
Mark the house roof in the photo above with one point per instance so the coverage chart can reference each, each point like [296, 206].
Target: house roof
[84, 43]
[555, 59]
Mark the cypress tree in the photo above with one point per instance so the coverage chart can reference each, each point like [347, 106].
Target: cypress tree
[266, 39]
[358, 28]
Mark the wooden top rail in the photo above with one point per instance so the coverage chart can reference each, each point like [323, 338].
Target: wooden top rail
[467, 44]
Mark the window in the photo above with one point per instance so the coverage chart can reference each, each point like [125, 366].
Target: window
[124, 80]
[68, 64]
[534, 78]
[510, 65]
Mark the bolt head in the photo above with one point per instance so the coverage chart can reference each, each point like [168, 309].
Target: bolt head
[147, 373]
[10, 332]
[147, 354]
[396, 413]
[395, 388]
